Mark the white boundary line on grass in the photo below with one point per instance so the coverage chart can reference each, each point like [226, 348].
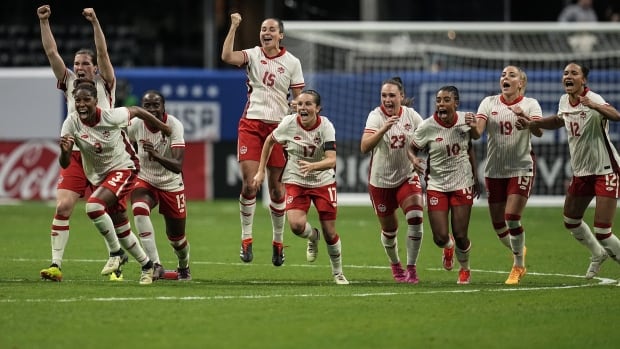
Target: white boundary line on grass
[463, 289]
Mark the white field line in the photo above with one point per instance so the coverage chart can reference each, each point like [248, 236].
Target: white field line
[601, 281]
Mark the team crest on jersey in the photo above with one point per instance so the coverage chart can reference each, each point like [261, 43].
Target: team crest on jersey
[243, 149]
[582, 115]
[106, 134]
[317, 140]
[281, 70]
[407, 126]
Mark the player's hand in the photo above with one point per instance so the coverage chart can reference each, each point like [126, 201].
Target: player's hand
[257, 182]
[586, 101]
[419, 165]
[235, 19]
[470, 119]
[44, 12]
[391, 121]
[66, 143]
[89, 14]
[305, 167]
[523, 122]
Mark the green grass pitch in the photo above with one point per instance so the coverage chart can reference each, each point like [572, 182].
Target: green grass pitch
[229, 304]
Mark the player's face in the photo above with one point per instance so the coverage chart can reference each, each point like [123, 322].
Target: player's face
[270, 34]
[307, 110]
[445, 106]
[153, 104]
[85, 103]
[83, 66]
[510, 82]
[391, 99]
[573, 79]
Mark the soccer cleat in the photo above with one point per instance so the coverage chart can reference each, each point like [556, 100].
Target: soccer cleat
[595, 265]
[146, 278]
[116, 275]
[412, 275]
[52, 273]
[340, 279]
[158, 271]
[464, 277]
[448, 256]
[184, 274]
[398, 273]
[114, 263]
[313, 247]
[277, 258]
[246, 254]
[516, 274]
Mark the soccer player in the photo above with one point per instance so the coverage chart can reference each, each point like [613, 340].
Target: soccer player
[450, 172]
[109, 163]
[72, 182]
[392, 182]
[160, 181]
[309, 176]
[510, 163]
[272, 71]
[594, 161]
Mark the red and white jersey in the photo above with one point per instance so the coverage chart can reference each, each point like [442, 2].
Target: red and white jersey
[269, 82]
[152, 171]
[449, 168]
[509, 151]
[389, 164]
[591, 151]
[105, 96]
[305, 144]
[104, 146]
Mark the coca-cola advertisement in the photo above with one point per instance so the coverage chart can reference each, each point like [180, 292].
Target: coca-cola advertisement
[29, 170]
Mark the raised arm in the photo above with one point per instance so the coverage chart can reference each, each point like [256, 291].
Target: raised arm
[228, 55]
[173, 163]
[106, 70]
[472, 121]
[370, 140]
[49, 43]
[139, 112]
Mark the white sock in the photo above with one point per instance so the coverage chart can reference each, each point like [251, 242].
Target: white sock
[131, 244]
[583, 234]
[277, 210]
[59, 238]
[414, 236]
[463, 256]
[335, 256]
[247, 207]
[390, 245]
[611, 244]
[145, 229]
[103, 222]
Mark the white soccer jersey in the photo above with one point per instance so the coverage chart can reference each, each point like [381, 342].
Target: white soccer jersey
[105, 97]
[591, 151]
[269, 82]
[305, 144]
[152, 171]
[447, 145]
[509, 151]
[389, 164]
[104, 146]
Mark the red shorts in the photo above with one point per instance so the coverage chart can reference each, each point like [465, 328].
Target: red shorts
[498, 189]
[171, 203]
[252, 136]
[439, 201]
[324, 199]
[387, 200]
[73, 177]
[602, 185]
[120, 182]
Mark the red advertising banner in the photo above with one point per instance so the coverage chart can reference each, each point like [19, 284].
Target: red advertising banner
[29, 170]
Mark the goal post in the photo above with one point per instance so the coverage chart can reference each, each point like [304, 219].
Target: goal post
[347, 61]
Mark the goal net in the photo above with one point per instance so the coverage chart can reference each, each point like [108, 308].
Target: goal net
[347, 61]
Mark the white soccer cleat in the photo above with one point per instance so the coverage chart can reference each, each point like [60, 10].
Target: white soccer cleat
[595, 265]
[340, 279]
[114, 263]
[146, 278]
